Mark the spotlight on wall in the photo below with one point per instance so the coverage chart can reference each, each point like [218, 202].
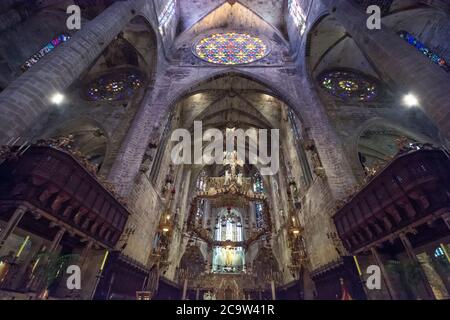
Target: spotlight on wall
[410, 100]
[57, 98]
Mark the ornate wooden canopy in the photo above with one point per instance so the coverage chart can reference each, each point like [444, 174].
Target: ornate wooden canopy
[56, 186]
[414, 189]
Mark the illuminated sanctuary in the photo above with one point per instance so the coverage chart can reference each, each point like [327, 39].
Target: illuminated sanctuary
[357, 119]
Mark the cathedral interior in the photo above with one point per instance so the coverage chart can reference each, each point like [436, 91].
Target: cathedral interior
[87, 177]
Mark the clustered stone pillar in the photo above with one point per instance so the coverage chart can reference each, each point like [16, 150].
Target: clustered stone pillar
[12, 224]
[398, 62]
[273, 290]
[412, 256]
[27, 99]
[333, 157]
[52, 249]
[185, 287]
[387, 280]
[147, 124]
[85, 253]
[56, 240]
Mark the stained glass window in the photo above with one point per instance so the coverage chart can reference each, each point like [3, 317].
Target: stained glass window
[115, 86]
[349, 85]
[231, 48]
[425, 50]
[259, 214]
[438, 253]
[258, 183]
[201, 181]
[298, 15]
[44, 51]
[200, 209]
[166, 15]
[229, 259]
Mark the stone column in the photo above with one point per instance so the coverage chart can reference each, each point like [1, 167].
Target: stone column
[333, 157]
[207, 214]
[252, 213]
[275, 203]
[26, 100]
[282, 185]
[387, 280]
[197, 294]
[12, 224]
[85, 253]
[56, 240]
[272, 286]
[41, 282]
[398, 62]
[148, 124]
[179, 189]
[185, 206]
[412, 256]
[185, 286]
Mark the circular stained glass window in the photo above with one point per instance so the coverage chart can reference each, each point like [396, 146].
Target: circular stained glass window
[349, 85]
[231, 48]
[115, 86]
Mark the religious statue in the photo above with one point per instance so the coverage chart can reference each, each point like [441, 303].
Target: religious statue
[227, 177]
[232, 159]
[239, 179]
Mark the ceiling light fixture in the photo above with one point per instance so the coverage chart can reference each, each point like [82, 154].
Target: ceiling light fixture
[410, 100]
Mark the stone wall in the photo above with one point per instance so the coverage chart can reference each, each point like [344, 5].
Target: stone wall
[318, 206]
[26, 101]
[146, 207]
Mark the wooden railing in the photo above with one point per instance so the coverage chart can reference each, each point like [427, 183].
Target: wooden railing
[53, 181]
[412, 188]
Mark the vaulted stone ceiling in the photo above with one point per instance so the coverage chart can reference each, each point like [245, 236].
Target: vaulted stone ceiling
[192, 11]
[331, 47]
[231, 99]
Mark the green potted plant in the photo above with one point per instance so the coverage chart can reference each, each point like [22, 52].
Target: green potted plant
[51, 270]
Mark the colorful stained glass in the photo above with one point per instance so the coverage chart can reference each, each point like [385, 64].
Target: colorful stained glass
[259, 214]
[115, 86]
[258, 185]
[349, 85]
[44, 51]
[231, 48]
[426, 51]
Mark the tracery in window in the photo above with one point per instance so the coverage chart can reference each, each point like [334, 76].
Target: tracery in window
[231, 48]
[421, 47]
[44, 51]
[115, 86]
[229, 257]
[349, 85]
